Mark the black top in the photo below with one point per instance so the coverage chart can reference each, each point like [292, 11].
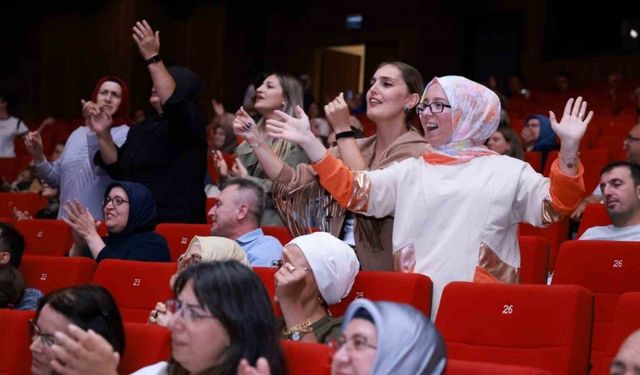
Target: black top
[168, 154]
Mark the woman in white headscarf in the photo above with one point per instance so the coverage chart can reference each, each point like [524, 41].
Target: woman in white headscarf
[456, 208]
[317, 270]
[200, 249]
[380, 338]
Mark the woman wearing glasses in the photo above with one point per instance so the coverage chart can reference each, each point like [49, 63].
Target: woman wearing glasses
[395, 90]
[130, 217]
[70, 312]
[456, 208]
[201, 249]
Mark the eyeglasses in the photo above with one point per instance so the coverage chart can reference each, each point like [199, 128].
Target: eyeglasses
[117, 201]
[187, 312]
[47, 340]
[631, 138]
[357, 342]
[186, 261]
[435, 107]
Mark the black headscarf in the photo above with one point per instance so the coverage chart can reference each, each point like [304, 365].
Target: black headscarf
[142, 208]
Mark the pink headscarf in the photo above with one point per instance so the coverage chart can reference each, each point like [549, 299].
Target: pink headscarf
[475, 112]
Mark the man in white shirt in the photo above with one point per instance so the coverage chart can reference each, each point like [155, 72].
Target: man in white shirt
[620, 186]
[10, 127]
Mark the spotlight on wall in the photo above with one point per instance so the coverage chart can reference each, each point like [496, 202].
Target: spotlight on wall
[633, 33]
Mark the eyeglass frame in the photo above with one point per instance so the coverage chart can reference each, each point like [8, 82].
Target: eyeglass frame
[175, 306]
[342, 341]
[114, 201]
[422, 107]
[630, 138]
[46, 339]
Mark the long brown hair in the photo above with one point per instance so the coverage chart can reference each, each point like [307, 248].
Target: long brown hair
[413, 79]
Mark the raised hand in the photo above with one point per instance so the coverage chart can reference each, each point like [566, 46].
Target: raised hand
[239, 170]
[148, 42]
[220, 164]
[89, 109]
[218, 108]
[262, 367]
[33, 143]
[80, 221]
[83, 352]
[289, 128]
[244, 126]
[337, 113]
[101, 122]
[159, 315]
[573, 125]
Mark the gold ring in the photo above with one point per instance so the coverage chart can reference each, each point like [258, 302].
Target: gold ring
[154, 314]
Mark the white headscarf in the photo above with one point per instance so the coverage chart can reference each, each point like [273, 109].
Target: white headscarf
[408, 343]
[213, 248]
[334, 264]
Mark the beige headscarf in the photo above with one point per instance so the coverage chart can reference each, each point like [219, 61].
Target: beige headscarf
[334, 264]
[213, 248]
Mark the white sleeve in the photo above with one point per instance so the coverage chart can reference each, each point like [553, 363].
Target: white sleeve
[529, 202]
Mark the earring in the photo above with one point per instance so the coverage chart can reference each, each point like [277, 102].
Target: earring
[406, 110]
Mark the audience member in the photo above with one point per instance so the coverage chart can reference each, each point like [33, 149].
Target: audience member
[201, 249]
[277, 92]
[394, 92]
[505, 141]
[627, 360]
[168, 151]
[631, 145]
[563, 81]
[73, 173]
[10, 127]
[236, 215]
[58, 148]
[317, 270]
[538, 135]
[130, 216]
[620, 186]
[481, 194]
[50, 211]
[13, 292]
[62, 318]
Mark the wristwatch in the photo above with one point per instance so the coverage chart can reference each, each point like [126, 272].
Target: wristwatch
[153, 59]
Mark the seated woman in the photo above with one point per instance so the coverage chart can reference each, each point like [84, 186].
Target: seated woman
[381, 338]
[222, 314]
[538, 135]
[201, 249]
[317, 270]
[64, 314]
[130, 217]
[505, 141]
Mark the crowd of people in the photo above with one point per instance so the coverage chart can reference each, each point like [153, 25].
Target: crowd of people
[442, 162]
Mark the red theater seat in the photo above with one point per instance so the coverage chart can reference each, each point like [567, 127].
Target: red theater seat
[306, 358]
[595, 214]
[534, 259]
[281, 233]
[523, 325]
[30, 202]
[145, 345]
[179, 235]
[45, 237]
[136, 286]
[555, 233]
[458, 367]
[608, 269]
[625, 323]
[535, 159]
[48, 273]
[15, 357]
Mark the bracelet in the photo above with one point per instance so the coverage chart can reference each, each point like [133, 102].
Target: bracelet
[153, 59]
[295, 331]
[346, 134]
[569, 161]
[256, 143]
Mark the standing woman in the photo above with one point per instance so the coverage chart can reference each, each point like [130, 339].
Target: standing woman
[74, 173]
[458, 207]
[277, 92]
[394, 92]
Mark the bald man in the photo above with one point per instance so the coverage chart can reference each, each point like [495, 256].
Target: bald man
[627, 361]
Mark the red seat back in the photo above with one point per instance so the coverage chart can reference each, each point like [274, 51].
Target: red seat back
[136, 286]
[534, 259]
[45, 237]
[595, 214]
[179, 235]
[535, 159]
[459, 367]
[411, 288]
[608, 269]
[307, 359]
[555, 234]
[30, 202]
[525, 325]
[145, 345]
[48, 273]
[625, 322]
[15, 339]
[281, 233]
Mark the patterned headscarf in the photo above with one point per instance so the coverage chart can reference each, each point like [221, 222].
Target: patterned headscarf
[475, 113]
[408, 343]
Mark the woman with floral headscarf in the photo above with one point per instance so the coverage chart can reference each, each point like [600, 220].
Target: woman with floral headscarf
[456, 208]
[73, 173]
